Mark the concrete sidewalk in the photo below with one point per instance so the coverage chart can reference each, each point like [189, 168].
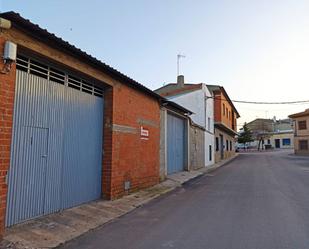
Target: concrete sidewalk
[53, 230]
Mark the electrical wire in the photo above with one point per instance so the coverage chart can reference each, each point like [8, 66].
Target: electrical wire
[271, 103]
[262, 102]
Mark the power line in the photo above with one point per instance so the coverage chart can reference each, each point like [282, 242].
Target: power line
[263, 102]
[271, 103]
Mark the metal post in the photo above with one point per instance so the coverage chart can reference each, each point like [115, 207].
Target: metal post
[178, 59]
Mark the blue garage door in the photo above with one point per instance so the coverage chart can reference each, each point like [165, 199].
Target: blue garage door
[56, 156]
[176, 149]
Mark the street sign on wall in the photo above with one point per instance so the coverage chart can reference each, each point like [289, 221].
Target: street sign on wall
[144, 133]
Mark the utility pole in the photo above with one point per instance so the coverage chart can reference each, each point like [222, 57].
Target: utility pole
[178, 59]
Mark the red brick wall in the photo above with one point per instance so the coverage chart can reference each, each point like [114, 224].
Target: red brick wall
[126, 155]
[132, 158]
[226, 116]
[219, 116]
[7, 90]
[107, 143]
[218, 107]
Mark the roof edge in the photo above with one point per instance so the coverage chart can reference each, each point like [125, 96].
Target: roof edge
[176, 106]
[300, 114]
[52, 40]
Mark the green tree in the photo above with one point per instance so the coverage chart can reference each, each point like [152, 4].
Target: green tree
[245, 135]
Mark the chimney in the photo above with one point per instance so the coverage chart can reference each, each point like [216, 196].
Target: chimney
[180, 81]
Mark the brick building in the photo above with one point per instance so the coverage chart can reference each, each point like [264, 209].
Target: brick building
[225, 115]
[72, 129]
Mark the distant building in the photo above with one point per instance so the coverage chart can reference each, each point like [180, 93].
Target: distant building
[261, 125]
[301, 132]
[271, 133]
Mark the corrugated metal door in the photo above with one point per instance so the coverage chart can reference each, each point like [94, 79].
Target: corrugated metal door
[85, 184]
[175, 144]
[56, 155]
[32, 158]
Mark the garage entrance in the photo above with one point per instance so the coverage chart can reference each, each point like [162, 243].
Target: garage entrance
[176, 144]
[56, 155]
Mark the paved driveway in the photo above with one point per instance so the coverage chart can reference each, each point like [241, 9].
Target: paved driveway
[258, 201]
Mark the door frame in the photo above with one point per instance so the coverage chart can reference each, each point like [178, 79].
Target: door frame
[186, 138]
[17, 123]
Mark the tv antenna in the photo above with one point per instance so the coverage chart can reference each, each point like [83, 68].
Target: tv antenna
[179, 56]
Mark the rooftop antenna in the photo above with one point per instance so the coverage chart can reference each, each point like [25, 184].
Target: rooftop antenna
[179, 56]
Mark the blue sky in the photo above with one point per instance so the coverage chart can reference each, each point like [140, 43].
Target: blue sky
[258, 50]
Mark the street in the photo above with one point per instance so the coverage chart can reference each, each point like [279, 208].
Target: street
[259, 200]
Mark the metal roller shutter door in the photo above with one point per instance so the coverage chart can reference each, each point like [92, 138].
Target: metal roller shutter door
[56, 155]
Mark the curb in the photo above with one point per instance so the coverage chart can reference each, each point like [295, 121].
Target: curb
[227, 161]
[192, 179]
[169, 187]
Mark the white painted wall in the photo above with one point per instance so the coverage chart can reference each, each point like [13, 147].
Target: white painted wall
[203, 109]
[209, 134]
[194, 101]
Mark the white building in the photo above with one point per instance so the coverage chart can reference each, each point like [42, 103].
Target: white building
[270, 134]
[198, 99]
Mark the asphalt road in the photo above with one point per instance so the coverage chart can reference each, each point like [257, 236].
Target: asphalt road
[258, 201]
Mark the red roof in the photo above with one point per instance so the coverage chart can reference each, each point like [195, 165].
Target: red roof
[300, 114]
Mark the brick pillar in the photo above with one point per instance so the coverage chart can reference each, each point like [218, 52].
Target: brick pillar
[7, 91]
[107, 143]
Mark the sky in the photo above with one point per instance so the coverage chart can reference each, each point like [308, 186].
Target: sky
[257, 50]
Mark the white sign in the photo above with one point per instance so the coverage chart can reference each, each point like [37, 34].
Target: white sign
[144, 133]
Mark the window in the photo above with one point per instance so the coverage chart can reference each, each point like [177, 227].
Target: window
[231, 145]
[303, 144]
[286, 141]
[227, 145]
[209, 124]
[210, 153]
[268, 141]
[223, 109]
[302, 125]
[217, 144]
